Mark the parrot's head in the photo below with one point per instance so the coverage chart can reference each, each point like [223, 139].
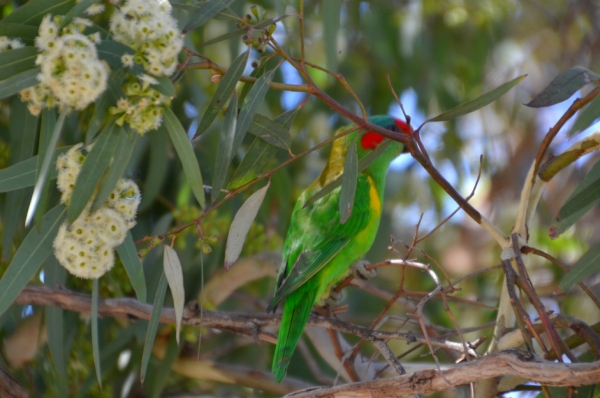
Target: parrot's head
[368, 141]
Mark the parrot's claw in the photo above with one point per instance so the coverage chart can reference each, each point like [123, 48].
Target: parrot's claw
[333, 299]
[359, 270]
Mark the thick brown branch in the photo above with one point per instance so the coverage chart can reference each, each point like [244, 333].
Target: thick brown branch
[513, 362]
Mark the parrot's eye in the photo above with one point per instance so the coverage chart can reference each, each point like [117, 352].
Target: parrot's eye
[371, 140]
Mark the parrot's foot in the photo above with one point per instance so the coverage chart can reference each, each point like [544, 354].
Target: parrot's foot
[359, 270]
[333, 299]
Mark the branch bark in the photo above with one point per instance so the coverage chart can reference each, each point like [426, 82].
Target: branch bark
[512, 362]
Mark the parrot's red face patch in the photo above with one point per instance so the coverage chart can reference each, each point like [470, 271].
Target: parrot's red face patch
[371, 140]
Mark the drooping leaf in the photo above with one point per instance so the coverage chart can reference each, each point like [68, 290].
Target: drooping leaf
[30, 255]
[16, 61]
[331, 26]
[581, 200]
[158, 167]
[363, 163]
[157, 306]
[174, 275]
[112, 51]
[48, 125]
[164, 86]
[270, 131]
[250, 106]
[241, 31]
[107, 99]
[205, 12]
[95, 342]
[477, 103]
[55, 275]
[19, 82]
[349, 181]
[44, 168]
[76, 11]
[224, 151]
[588, 264]
[22, 174]
[33, 12]
[26, 33]
[95, 164]
[564, 86]
[186, 155]
[586, 117]
[119, 162]
[256, 73]
[241, 225]
[133, 266]
[224, 91]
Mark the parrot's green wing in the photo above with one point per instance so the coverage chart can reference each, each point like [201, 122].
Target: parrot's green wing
[328, 242]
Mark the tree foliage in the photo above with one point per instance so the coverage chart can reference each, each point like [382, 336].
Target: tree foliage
[222, 112]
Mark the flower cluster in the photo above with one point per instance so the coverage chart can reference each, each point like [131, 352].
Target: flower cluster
[86, 247]
[148, 27]
[71, 73]
[9, 44]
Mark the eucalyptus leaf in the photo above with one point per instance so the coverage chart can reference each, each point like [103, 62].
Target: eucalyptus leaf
[224, 151]
[332, 11]
[242, 31]
[19, 82]
[205, 12]
[174, 275]
[588, 264]
[224, 91]
[95, 342]
[477, 103]
[34, 11]
[133, 266]
[16, 61]
[30, 256]
[241, 225]
[586, 117]
[270, 131]
[564, 86]
[157, 306]
[186, 155]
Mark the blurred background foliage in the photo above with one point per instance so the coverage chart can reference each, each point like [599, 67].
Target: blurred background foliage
[437, 54]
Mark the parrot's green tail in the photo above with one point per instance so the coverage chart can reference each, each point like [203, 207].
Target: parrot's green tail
[295, 315]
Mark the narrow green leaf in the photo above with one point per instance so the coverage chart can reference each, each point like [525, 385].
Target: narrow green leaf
[250, 106]
[16, 61]
[287, 118]
[164, 86]
[112, 51]
[270, 131]
[75, 12]
[26, 33]
[34, 11]
[564, 86]
[205, 12]
[133, 266]
[224, 91]
[32, 253]
[349, 180]
[588, 264]
[242, 31]
[55, 275]
[156, 385]
[259, 158]
[121, 157]
[157, 306]
[186, 155]
[241, 225]
[477, 103]
[224, 151]
[158, 167]
[581, 200]
[19, 82]
[586, 117]
[48, 124]
[95, 342]
[256, 73]
[107, 99]
[22, 174]
[363, 163]
[93, 168]
[331, 25]
[174, 275]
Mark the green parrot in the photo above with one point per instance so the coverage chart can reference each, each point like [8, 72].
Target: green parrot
[319, 250]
